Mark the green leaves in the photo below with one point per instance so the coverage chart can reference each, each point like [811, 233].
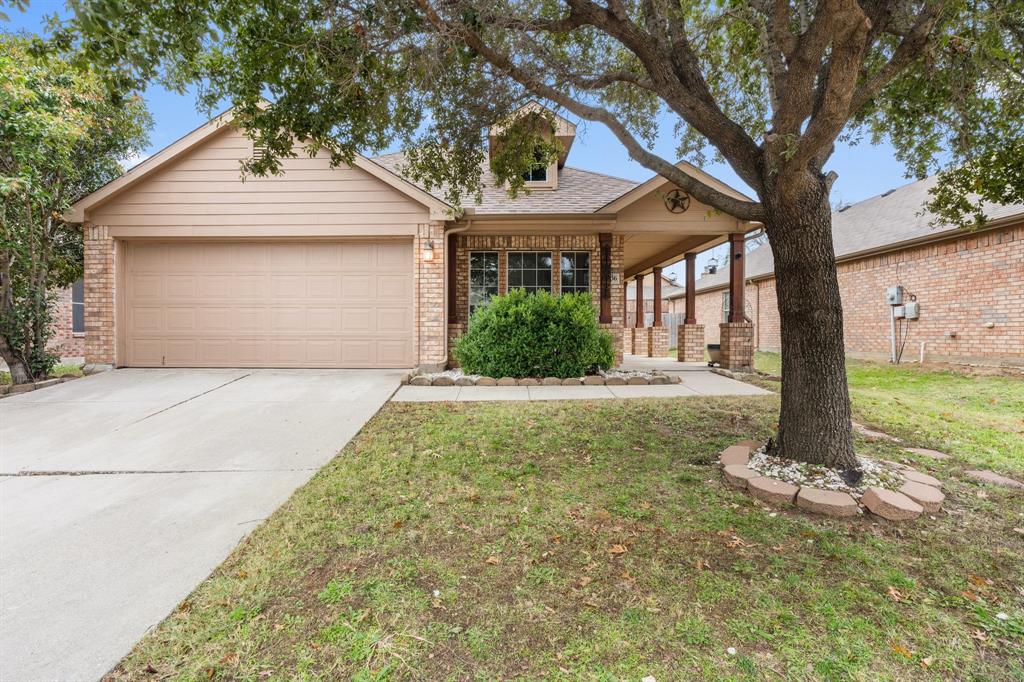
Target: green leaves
[63, 134]
[535, 335]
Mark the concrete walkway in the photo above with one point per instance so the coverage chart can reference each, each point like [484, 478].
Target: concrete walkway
[120, 492]
[696, 381]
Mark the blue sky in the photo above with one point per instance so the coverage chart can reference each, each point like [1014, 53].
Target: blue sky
[864, 170]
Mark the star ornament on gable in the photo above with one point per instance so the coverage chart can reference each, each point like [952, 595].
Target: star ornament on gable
[677, 201]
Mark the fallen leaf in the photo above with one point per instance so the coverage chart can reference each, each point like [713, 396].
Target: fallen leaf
[230, 658]
[626, 575]
[968, 595]
[585, 580]
[895, 594]
[398, 524]
[979, 635]
[902, 650]
[493, 560]
[617, 549]
[979, 581]
[926, 661]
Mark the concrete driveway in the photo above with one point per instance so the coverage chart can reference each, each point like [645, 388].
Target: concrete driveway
[120, 492]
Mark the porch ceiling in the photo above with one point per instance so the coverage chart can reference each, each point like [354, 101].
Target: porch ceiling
[643, 251]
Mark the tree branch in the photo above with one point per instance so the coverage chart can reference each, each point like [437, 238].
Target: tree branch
[745, 210]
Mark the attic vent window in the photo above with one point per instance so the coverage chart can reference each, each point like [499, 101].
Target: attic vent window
[539, 173]
[259, 152]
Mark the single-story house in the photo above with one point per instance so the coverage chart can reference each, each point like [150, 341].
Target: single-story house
[187, 264]
[969, 286]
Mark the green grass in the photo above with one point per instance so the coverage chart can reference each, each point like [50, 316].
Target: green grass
[61, 370]
[977, 417]
[595, 540]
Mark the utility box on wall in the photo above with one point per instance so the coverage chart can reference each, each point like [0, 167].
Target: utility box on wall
[894, 295]
[912, 310]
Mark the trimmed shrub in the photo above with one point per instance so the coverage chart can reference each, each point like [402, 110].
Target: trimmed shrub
[535, 335]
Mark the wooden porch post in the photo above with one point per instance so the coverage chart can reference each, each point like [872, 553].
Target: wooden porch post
[605, 241]
[691, 289]
[639, 301]
[625, 316]
[736, 306]
[657, 297]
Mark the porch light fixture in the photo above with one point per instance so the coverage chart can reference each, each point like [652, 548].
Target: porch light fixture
[428, 251]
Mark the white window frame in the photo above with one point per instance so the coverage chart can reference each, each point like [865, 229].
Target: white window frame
[574, 287]
[533, 288]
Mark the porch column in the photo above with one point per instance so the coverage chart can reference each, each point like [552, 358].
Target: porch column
[737, 334]
[690, 338]
[691, 288]
[657, 335]
[639, 301]
[657, 297]
[736, 287]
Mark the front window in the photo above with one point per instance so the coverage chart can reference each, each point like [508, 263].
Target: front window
[529, 270]
[78, 307]
[483, 278]
[538, 173]
[575, 272]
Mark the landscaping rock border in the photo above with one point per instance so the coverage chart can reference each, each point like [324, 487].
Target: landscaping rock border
[454, 379]
[16, 389]
[919, 492]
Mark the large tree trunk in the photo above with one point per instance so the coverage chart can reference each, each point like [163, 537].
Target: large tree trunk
[814, 424]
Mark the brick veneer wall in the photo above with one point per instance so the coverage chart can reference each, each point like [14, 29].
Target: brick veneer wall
[100, 255]
[63, 340]
[431, 327]
[737, 339]
[690, 343]
[503, 244]
[962, 285]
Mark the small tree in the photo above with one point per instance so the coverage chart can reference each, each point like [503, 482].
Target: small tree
[62, 134]
[770, 86]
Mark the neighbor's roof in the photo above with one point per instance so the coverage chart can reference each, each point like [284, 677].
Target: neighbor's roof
[579, 191]
[890, 220]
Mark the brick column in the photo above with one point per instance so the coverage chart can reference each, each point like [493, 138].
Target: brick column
[657, 342]
[737, 339]
[100, 274]
[690, 343]
[431, 337]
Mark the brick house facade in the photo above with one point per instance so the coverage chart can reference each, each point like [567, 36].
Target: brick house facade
[65, 340]
[970, 287]
[188, 266]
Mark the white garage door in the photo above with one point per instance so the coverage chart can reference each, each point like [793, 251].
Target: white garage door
[315, 304]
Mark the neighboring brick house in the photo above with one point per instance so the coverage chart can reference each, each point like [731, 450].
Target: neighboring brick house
[67, 336]
[669, 287]
[969, 285]
[186, 265]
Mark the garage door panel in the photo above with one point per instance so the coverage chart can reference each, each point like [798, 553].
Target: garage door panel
[314, 304]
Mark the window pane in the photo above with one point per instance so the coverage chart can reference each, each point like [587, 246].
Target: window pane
[582, 260]
[583, 279]
[567, 279]
[529, 261]
[77, 317]
[515, 260]
[515, 278]
[544, 260]
[544, 278]
[566, 262]
[78, 291]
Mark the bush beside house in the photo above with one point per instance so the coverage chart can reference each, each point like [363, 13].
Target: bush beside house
[535, 335]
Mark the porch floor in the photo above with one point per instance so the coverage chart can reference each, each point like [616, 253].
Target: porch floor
[666, 364]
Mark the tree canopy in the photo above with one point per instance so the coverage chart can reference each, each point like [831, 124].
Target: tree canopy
[766, 86]
[63, 134]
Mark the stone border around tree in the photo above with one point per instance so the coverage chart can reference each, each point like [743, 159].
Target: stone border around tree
[919, 493]
[656, 379]
[17, 389]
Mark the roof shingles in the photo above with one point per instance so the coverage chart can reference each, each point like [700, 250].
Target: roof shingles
[893, 218]
[579, 191]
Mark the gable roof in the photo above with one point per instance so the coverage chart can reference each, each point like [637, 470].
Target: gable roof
[439, 209]
[643, 189]
[579, 191]
[887, 221]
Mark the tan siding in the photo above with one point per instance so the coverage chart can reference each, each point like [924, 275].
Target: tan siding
[205, 187]
[650, 214]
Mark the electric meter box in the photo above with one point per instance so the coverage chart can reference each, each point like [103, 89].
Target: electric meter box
[894, 295]
[912, 310]
[898, 312]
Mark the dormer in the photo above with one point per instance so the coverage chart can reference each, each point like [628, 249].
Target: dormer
[561, 129]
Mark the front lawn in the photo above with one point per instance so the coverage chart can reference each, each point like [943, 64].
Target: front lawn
[978, 417]
[595, 540]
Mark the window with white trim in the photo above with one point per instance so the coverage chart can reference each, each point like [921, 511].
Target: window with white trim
[529, 270]
[483, 278]
[575, 271]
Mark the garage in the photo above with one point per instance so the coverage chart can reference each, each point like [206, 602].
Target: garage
[322, 304]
